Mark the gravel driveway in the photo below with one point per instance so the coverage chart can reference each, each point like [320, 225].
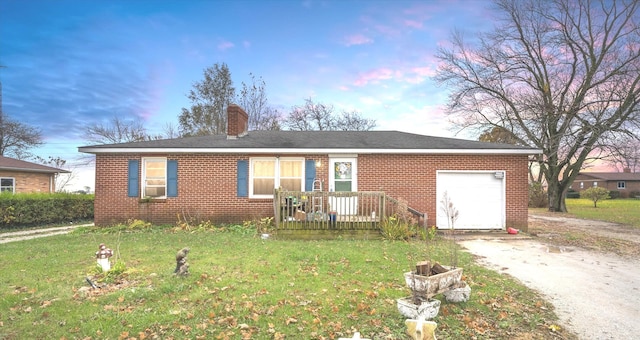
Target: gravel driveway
[596, 295]
[36, 233]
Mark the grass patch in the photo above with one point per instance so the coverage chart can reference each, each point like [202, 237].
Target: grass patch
[624, 211]
[242, 287]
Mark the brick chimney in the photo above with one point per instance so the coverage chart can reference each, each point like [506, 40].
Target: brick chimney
[237, 122]
[626, 170]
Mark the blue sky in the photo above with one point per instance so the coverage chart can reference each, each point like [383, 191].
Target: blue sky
[73, 63]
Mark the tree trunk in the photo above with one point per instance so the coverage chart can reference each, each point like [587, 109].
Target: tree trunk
[556, 197]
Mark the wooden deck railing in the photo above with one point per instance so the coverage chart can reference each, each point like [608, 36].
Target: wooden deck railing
[322, 210]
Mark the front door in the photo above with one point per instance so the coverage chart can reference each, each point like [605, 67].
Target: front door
[343, 178]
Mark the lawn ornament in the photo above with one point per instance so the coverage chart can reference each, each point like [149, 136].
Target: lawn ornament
[102, 255]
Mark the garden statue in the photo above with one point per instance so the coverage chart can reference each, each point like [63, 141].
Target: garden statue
[182, 267]
[419, 329]
[356, 336]
[102, 255]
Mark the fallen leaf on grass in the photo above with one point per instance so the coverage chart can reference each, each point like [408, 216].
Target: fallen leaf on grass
[554, 328]
[291, 320]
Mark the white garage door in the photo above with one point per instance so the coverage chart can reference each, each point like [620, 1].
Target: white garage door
[479, 197]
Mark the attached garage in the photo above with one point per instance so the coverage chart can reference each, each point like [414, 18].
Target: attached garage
[478, 196]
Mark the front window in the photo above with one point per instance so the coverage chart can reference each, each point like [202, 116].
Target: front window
[621, 185]
[595, 184]
[154, 181]
[581, 185]
[270, 173]
[7, 184]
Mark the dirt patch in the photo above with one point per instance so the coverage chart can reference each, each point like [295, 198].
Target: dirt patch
[598, 236]
[589, 271]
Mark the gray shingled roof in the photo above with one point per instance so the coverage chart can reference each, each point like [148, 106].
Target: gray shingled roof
[306, 140]
[13, 164]
[613, 176]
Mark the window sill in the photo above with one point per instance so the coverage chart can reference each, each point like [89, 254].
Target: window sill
[153, 200]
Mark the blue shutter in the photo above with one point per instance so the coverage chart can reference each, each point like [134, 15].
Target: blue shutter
[133, 178]
[309, 174]
[172, 178]
[243, 178]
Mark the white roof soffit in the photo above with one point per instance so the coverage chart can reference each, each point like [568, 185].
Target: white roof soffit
[311, 151]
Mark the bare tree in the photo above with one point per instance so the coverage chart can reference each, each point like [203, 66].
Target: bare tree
[62, 179]
[353, 121]
[17, 138]
[624, 153]
[117, 130]
[209, 101]
[253, 99]
[561, 75]
[311, 116]
[321, 117]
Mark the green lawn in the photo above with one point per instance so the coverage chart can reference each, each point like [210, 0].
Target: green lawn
[625, 211]
[244, 287]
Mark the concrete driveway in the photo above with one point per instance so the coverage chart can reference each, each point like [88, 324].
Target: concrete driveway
[596, 295]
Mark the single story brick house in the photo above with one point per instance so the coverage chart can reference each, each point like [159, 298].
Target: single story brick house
[627, 183]
[19, 176]
[231, 178]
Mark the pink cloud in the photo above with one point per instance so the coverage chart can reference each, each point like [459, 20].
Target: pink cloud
[413, 23]
[374, 76]
[225, 45]
[357, 39]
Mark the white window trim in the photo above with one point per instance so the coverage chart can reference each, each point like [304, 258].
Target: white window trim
[13, 187]
[277, 173]
[143, 182]
[624, 185]
[354, 171]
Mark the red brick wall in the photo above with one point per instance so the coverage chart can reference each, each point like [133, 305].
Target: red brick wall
[413, 178]
[207, 186]
[31, 181]
[630, 186]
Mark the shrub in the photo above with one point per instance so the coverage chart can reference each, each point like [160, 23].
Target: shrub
[538, 197]
[634, 194]
[595, 194]
[23, 210]
[613, 194]
[135, 224]
[572, 194]
[395, 228]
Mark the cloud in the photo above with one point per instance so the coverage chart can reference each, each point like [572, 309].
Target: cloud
[69, 75]
[225, 45]
[357, 39]
[373, 76]
[413, 23]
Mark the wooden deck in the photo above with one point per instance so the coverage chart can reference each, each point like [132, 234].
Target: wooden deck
[334, 211]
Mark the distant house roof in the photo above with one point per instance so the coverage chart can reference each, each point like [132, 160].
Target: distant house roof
[314, 142]
[12, 164]
[613, 176]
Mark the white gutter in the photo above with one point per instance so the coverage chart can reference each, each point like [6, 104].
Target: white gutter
[310, 151]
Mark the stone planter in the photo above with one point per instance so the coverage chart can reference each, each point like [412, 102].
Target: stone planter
[427, 309]
[458, 293]
[428, 286]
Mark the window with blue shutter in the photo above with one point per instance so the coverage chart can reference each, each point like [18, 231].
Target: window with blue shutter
[133, 182]
[243, 178]
[172, 178]
[309, 174]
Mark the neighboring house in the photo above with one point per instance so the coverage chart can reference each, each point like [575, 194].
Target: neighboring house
[18, 176]
[627, 182]
[231, 178]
